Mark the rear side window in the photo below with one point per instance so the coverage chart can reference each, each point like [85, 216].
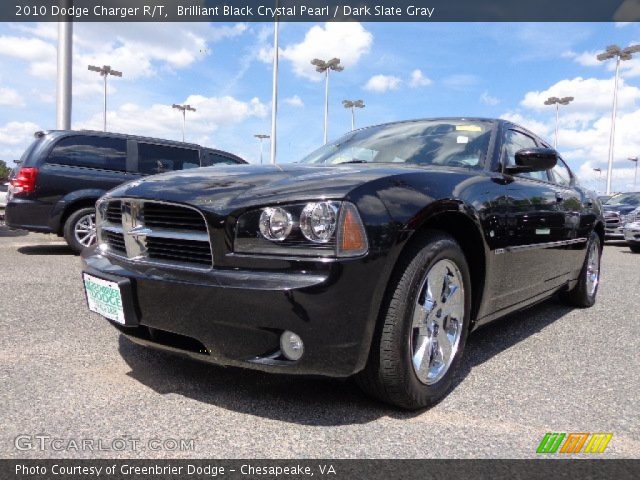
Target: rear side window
[154, 159]
[91, 152]
[213, 158]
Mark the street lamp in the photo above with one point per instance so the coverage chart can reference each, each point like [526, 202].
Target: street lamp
[353, 104]
[614, 51]
[557, 102]
[635, 175]
[261, 137]
[104, 72]
[324, 67]
[599, 170]
[183, 109]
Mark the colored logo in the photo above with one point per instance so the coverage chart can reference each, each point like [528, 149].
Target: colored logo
[574, 442]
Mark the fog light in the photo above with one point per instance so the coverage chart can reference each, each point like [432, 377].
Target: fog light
[291, 345]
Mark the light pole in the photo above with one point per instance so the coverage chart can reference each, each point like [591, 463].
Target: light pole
[599, 170]
[274, 91]
[614, 51]
[261, 137]
[635, 175]
[557, 102]
[105, 71]
[183, 109]
[353, 104]
[324, 67]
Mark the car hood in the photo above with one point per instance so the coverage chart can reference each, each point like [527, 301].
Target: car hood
[228, 187]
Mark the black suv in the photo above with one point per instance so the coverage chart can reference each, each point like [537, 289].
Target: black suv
[63, 173]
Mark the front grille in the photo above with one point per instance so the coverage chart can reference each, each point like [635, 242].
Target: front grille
[115, 241]
[154, 232]
[170, 216]
[612, 219]
[114, 212]
[192, 251]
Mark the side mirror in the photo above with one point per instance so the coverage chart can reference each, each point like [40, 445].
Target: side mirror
[533, 160]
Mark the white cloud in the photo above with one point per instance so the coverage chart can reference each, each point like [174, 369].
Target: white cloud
[294, 101]
[139, 50]
[382, 83]
[592, 98]
[14, 139]
[211, 114]
[10, 98]
[489, 100]
[585, 126]
[348, 41]
[418, 79]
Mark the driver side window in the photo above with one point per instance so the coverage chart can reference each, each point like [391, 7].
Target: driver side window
[515, 141]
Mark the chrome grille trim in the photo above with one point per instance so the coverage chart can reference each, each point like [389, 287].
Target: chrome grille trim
[155, 245]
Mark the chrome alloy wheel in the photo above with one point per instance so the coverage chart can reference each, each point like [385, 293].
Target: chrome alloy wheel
[593, 268]
[85, 230]
[438, 317]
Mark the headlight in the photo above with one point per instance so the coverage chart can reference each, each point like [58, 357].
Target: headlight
[275, 224]
[318, 221]
[326, 229]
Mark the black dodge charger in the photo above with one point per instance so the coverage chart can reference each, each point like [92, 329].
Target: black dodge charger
[375, 256]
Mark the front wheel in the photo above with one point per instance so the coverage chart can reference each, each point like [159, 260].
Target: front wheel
[424, 326]
[583, 295]
[635, 248]
[80, 229]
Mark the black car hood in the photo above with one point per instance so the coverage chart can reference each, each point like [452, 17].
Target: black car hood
[228, 187]
[621, 208]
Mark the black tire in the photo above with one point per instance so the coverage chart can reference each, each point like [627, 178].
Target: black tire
[635, 248]
[389, 374]
[579, 296]
[70, 226]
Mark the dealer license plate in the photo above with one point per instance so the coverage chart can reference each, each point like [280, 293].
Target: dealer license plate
[104, 297]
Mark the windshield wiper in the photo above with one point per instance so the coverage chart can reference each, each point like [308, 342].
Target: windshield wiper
[350, 161]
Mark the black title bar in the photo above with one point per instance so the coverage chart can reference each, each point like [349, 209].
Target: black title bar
[319, 10]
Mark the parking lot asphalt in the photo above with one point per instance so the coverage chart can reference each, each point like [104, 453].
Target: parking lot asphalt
[67, 374]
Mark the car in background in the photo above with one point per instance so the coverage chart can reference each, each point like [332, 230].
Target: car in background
[604, 198]
[374, 256]
[616, 213]
[63, 173]
[4, 188]
[632, 231]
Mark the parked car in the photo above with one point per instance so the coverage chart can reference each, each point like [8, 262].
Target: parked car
[4, 188]
[632, 231]
[374, 256]
[63, 173]
[604, 198]
[616, 213]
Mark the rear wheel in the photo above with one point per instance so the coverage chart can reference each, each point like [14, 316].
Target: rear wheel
[635, 248]
[80, 229]
[583, 295]
[417, 350]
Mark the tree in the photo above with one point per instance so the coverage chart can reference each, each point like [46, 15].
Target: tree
[4, 170]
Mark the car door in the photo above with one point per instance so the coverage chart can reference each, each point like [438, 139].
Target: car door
[529, 264]
[578, 215]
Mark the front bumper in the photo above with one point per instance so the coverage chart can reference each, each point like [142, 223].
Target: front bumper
[235, 317]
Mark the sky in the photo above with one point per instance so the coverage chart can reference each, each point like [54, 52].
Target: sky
[400, 70]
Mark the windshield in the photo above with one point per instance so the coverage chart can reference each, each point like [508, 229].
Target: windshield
[457, 143]
[624, 198]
